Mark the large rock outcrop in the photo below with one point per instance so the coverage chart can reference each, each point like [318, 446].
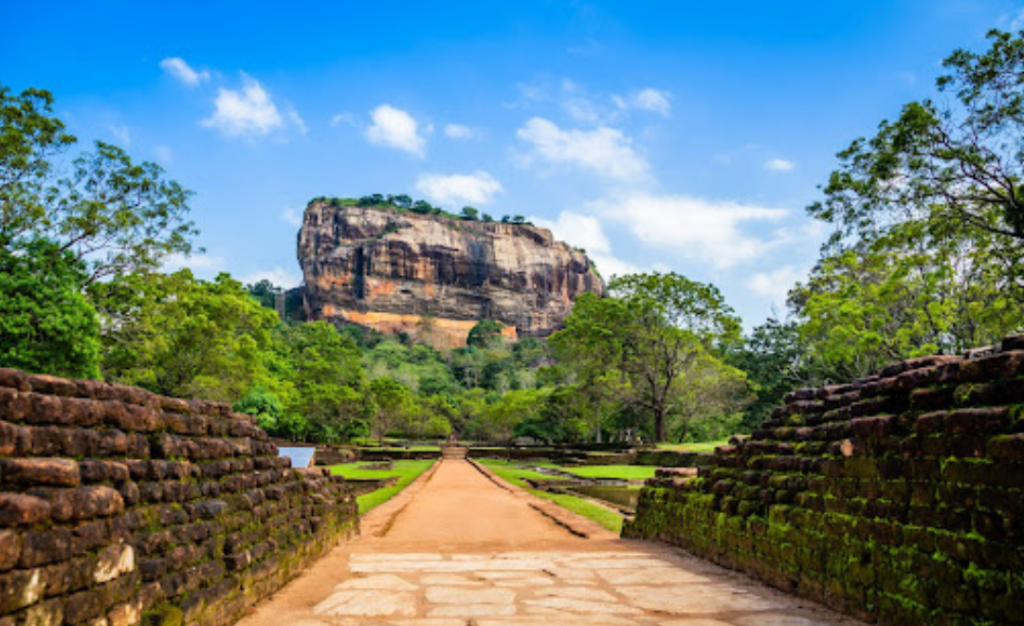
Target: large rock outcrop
[434, 276]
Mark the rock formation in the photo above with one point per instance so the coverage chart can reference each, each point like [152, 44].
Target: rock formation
[434, 276]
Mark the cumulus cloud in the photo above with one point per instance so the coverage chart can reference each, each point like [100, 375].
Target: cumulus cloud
[163, 154]
[695, 228]
[203, 265]
[603, 150]
[249, 112]
[278, 276]
[586, 231]
[779, 165]
[648, 99]
[775, 284]
[397, 129]
[458, 131]
[292, 216]
[179, 69]
[459, 189]
[121, 134]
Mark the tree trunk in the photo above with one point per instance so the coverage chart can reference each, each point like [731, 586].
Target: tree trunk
[660, 432]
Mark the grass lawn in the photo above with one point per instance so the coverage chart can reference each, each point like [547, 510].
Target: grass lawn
[703, 446]
[407, 471]
[625, 472]
[514, 473]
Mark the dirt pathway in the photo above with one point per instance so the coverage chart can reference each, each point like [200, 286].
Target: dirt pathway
[461, 547]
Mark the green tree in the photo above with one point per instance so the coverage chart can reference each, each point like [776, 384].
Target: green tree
[46, 324]
[179, 336]
[650, 331]
[902, 295]
[952, 166]
[484, 333]
[469, 213]
[264, 406]
[391, 401]
[773, 357]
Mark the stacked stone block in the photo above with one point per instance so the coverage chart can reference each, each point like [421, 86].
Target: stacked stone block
[119, 506]
[898, 498]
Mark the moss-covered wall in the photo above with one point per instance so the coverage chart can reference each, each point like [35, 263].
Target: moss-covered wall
[897, 498]
[118, 506]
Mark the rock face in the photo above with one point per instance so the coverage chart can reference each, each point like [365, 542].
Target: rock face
[435, 277]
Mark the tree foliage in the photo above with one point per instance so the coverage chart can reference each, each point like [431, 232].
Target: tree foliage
[46, 324]
[114, 215]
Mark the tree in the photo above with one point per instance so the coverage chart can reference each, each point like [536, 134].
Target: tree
[650, 331]
[421, 206]
[46, 324]
[953, 167]
[484, 333]
[265, 406]
[486, 217]
[323, 370]
[114, 215]
[402, 200]
[773, 357]
[391, 402]
[179, 336]
[902, 295]
[469, 213]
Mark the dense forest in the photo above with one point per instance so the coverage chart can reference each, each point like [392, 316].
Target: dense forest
[925, 257]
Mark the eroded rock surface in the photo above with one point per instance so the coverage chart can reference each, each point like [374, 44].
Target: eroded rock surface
[435, 277]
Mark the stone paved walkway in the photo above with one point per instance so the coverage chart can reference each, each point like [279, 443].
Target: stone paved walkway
[460, 547]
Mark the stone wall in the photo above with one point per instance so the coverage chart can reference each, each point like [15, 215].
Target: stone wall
[118, 506]
[898, 498]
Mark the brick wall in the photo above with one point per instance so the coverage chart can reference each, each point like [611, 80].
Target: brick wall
[898, 498]
[119, 506]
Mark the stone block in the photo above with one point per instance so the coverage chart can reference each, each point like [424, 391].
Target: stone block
[41, 547]
[19, 589]
[10, 549]
[94, 471]
[18, 509]
[33, 471]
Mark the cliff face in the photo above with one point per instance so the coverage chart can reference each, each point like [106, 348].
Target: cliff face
[435, 277]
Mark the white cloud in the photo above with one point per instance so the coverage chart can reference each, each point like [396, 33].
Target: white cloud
[343, 118]
[395, 128]
[121, 134]
[178, 68]
[702, 230]
[779, 165]
[775, 284]
[279, 276]
[292, 216]
[201, 264]
[297, 120]
[163, 154]
[605, 151]
[246, 113]
[458, 131]
[457, 189]
[585, 231]
[576, 229]
[648, 99]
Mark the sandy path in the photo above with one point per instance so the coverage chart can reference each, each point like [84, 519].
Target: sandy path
[460, 547]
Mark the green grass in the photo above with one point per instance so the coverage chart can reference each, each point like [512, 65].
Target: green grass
[514, 473]
[703, 446]
[407, 471]
[625, 472]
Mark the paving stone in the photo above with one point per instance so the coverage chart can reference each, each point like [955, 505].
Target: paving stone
[616, 563]
[388, 582]
[368, 602]
[777, 619]
[472, 611]
[576, 593]
[411, 556]
[651, 576]
[450, 579]
[581, 606]
[695, 599]
[527, 580]
[462, 595]
[696, 622]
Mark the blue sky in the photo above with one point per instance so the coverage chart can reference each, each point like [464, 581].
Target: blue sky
[658, 135]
